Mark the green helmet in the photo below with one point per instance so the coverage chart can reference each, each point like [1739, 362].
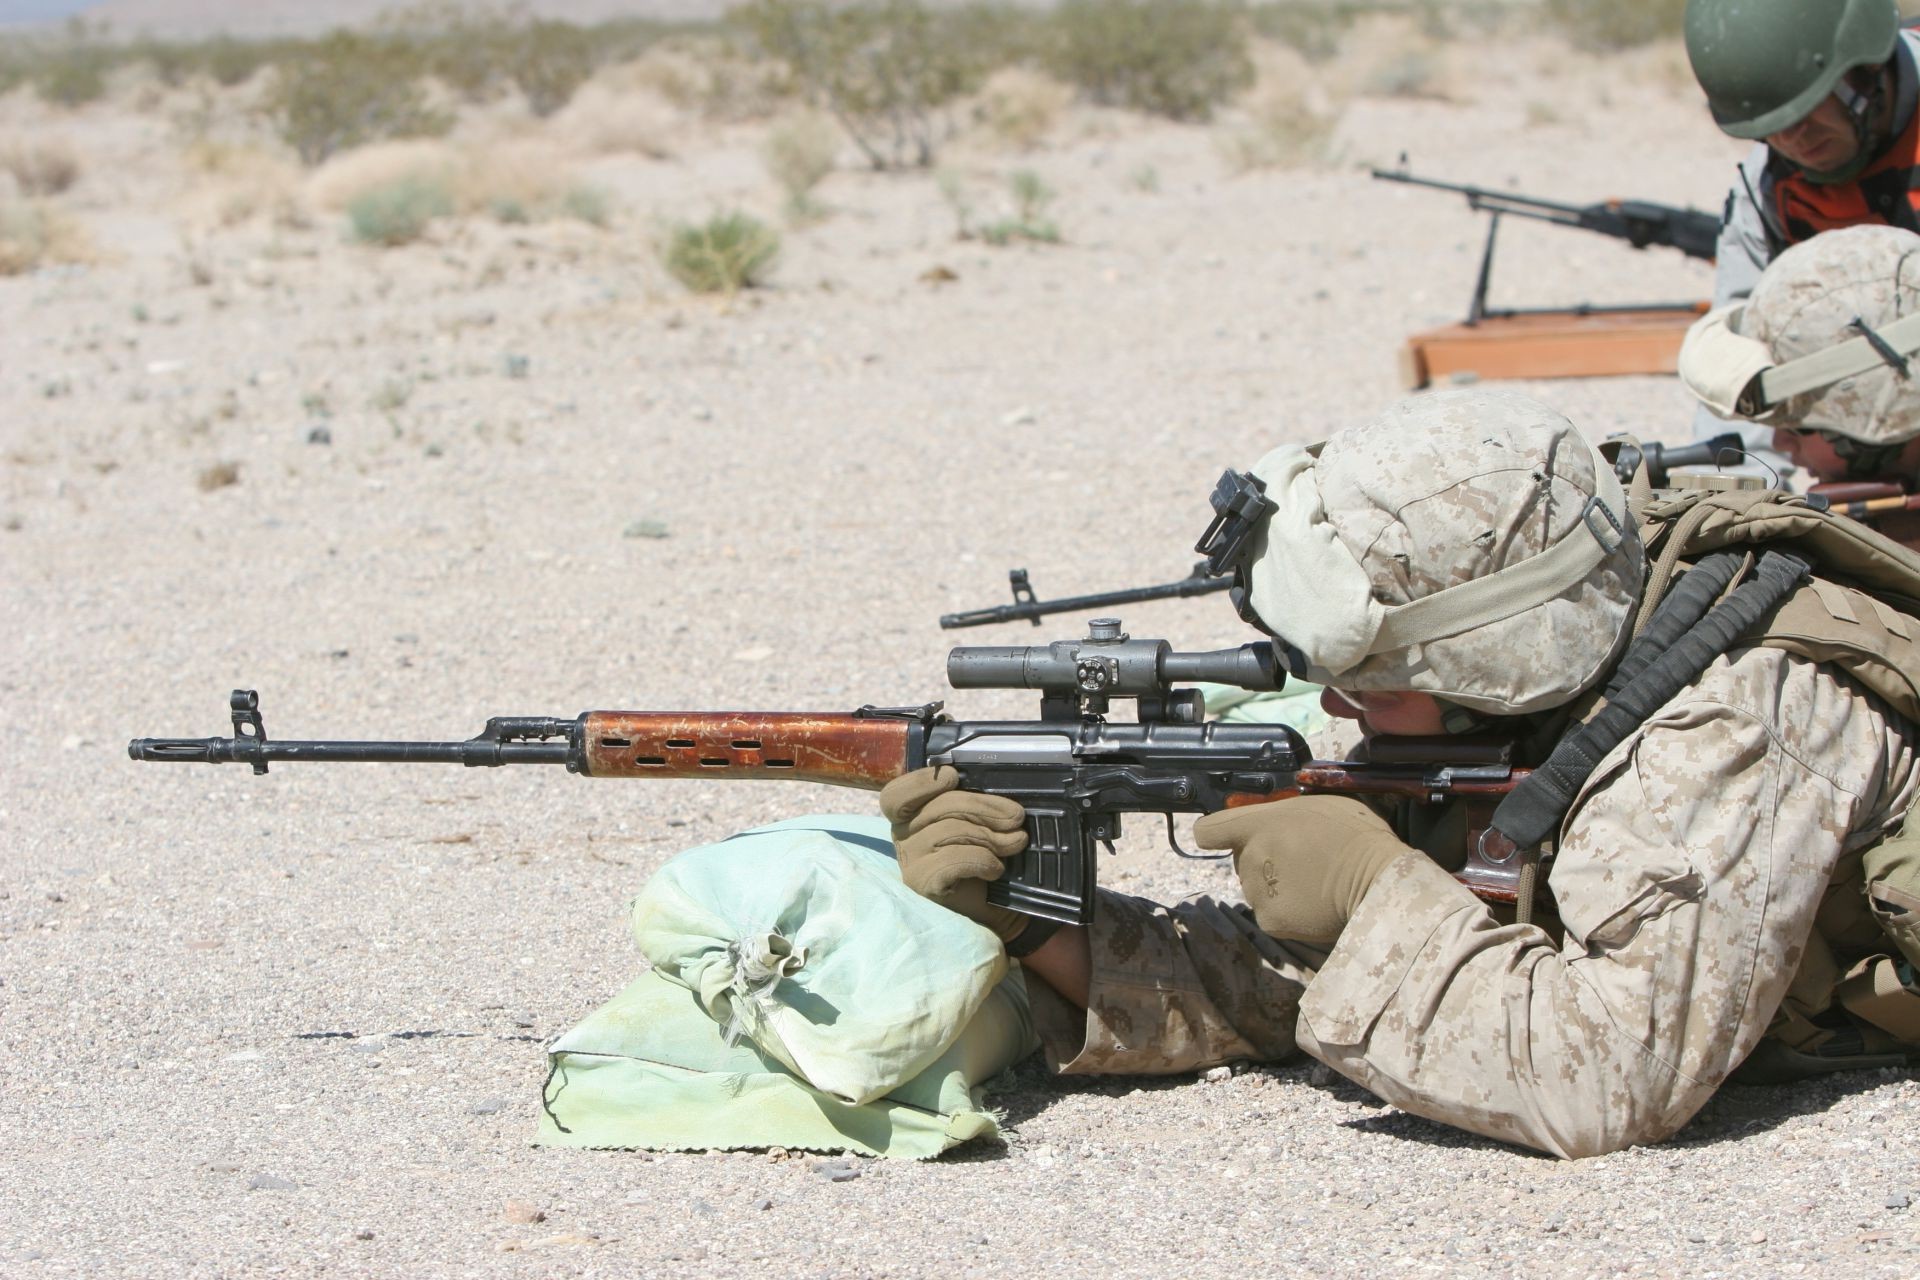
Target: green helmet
[1766, 64]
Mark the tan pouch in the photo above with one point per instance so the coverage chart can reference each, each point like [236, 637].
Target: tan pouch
[1879, 993]
[1893, 889]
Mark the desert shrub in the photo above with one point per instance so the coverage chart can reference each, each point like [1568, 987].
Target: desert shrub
[1283, 131]
[1031, 196]
[726, 253]
[799, 153]
[1411, 72]
[548, 62]
[398, 212]
[1311, 28]
[72, 75]
[41, 168]
[1174, 58]
[1019, 106]
[347, 89]
[34, 234]
[885, 69]
[585, 202]
[1615, 24]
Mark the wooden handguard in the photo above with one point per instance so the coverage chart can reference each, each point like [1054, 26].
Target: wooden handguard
[841, 750]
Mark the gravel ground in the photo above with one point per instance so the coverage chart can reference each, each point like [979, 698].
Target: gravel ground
[293, 1024]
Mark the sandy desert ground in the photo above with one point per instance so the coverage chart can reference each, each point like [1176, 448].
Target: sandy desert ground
[400, 490]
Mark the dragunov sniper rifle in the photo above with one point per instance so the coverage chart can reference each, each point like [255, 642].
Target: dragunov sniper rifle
[1639, 222]
[1026, 607]
[1075, 771]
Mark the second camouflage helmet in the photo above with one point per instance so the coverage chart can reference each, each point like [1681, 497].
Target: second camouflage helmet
[1766, 64]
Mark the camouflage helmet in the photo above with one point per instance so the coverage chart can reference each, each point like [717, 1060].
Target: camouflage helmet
[1819, 294]
[1470, 544]
[1766, 64]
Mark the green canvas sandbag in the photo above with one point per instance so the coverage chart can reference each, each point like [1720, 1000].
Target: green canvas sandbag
[800, 937]
[650, 1069]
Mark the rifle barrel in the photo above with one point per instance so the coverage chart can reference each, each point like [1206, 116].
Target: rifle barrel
[474, 752]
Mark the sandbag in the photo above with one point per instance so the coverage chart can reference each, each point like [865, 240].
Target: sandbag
[650, 1069]
[801, 938]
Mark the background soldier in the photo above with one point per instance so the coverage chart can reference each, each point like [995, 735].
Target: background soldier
[1721, 874]
[1827, 89]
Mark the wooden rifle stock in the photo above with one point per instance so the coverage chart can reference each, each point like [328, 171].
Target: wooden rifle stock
[840, 750]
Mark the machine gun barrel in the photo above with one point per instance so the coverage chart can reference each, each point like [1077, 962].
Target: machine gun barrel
[1026, 608]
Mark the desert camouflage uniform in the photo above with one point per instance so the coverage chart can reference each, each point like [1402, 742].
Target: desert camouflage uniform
[1688, 880]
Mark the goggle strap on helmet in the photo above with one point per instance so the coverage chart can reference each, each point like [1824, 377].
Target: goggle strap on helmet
[1848, 359]
[1518, 587]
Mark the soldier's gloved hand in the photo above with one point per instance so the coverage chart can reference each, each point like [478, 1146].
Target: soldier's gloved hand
[950, 843]
[1305, 863]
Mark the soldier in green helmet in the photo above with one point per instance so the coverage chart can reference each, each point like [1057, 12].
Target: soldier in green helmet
[1827, 90]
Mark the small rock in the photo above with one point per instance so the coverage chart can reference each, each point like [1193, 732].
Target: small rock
[363, 1235]
[1899, 1201]
[1758, 1237]
[702, 1208]
[492, 1106]
[702, 414]
[369, 1044]
[521, 1212]
[759, 653]
[1018, 418]
[222, 1166]
[645, 529]
[268, 1182]
[520, 1019]
[516, 366]
[1216, 1075]
[320, 433]
[763, 1203]
[836, 1170]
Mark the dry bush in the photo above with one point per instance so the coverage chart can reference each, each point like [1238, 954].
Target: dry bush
[34, 234]
[605, 119]
[42, 168]
[1615, 24]
[705, 76]
[1018, 107]
[1284, 129]
[398, 212]
[1389, 56]
[799, 153]
[886, 70]
[346, 90]
[726, 253]
[336, 183]
[236, 182]
[523, 175]
[1175, 58]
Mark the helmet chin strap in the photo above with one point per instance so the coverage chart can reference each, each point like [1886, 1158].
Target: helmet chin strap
[1861, 108]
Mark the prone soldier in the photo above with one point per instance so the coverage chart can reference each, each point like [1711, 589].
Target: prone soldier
[1727, 875]
[1823, 354]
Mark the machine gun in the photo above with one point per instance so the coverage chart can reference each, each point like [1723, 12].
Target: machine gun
[1075, 772]
[1639, 222]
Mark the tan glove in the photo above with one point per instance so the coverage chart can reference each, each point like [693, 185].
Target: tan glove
[1304, 864]
[950, 843]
